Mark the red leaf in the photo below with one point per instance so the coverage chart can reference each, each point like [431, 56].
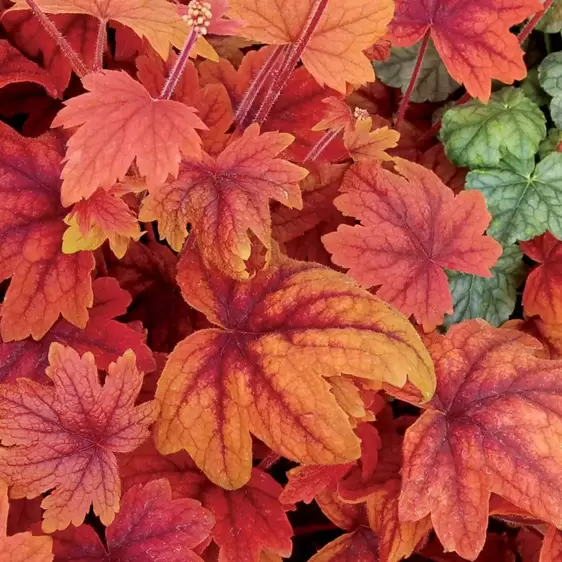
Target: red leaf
[150, 527]
[552, 546]
[45, 282]
[494, 425]
[359, 546]
[404, 246]
[65, 436]
[472, 38]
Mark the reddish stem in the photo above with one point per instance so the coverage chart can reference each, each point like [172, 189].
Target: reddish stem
[532, 23]
[100, 47]
[323, 143]
[413, 79]
[297, 48]
[179, 66]
[75, 61]
[268, 461]
[257, 84]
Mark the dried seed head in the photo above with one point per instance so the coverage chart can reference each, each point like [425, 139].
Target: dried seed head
[199, 16]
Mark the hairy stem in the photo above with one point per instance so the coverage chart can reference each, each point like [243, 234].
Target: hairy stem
[532, 23]
[323, 143]
[179, 66]
[268, 69]
[293, 56]
[76, 62]
[413, 79]
[100, 47]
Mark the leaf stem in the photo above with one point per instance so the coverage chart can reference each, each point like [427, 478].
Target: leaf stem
[75, 61]
[179, 66]
[269, 68]
[100, 47]
[295, 52]
[413, 79]
[323, 143]
[532, 23]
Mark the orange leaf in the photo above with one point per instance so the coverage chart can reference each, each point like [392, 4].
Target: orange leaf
[22, 547]
[104, 216]
[135, 126]
[494, 425]
[45, 282]
[549, 335]
[543, 288]
[472, 38]
[334, 55]
[224, 198]
[364, 144]
[261, 368]
[157, 20]
[552, 546]
[359, 546]
[149, 523]
[65, 437]
[412, 227]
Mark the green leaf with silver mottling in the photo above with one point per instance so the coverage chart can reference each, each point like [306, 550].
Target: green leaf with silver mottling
[524, 200]
[551, 22]
[531, 87]
[550, 76]
[491, 298]
[550, 144]
[434, 82]
[479, 135]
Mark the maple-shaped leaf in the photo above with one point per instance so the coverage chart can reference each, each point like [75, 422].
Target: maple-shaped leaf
[136, 127]
[334, 54]
[159, 21]
[226, 197]
[524, 199]
[404, 247]
[477, 134]
[434, 82]
[104, 336]
[494, 425]
[31, 38]
[260, 369]
[359, 546]
[490, 298]
[45, 282]
[15, 68]
[473, 39]
[103, 216]
[249, 521]
[150, 526]
[551, 550]
[364, 144]
[22, 547]
[64, 437]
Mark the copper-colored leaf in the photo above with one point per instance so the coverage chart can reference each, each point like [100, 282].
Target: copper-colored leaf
[359, 546]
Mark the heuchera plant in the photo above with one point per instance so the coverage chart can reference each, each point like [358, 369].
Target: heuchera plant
[261, 304]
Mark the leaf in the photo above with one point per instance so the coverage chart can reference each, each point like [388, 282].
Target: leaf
[552, 546]
[334, 54]
[45, 282]
[478, 135]
[105, 337]
[543, 289]
[551, 22]
[224, 198]
[550, 143]
[524, 199]
[549, 335]
[403, 247]
[22, 547]
[492, 299]
[65, 437]
[261, 368]
[359, 546]
[434, 82]
[249, 521]
[136, 126]
[32, 39]
[494, 425]
[550, 76]
[104, 216]
[15, 68]
[473, 39]
[150, 526]
[158, 21]
[364, 144]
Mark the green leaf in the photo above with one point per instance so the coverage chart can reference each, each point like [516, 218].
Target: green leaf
[478, 135]
[491, 298]
[550, 144]
[434, 82]
[524, 200]
[551, 22]
[550, 74]
[531, 87]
